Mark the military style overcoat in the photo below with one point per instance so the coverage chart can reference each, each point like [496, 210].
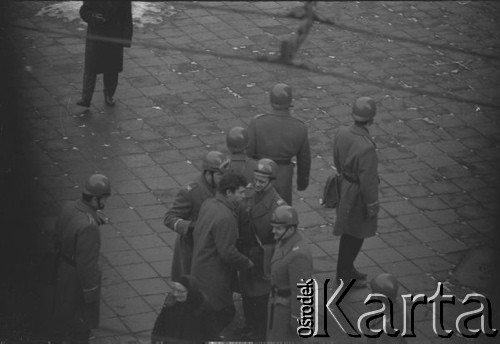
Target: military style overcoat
[291, 262]
[180, 216]
[256, 220]
[105, 41]
[356, 161]
[280, 137]
[215, 257]
[78, 277]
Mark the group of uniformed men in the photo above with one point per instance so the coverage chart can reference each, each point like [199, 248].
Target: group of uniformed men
[237, 230]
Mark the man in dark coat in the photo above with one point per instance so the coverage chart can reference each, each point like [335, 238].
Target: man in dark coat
[215, 257]
[257, 242]
[78, 277]
[291, 262]
[280, 137]
[356, 161]
[182, 214]
[109, 30]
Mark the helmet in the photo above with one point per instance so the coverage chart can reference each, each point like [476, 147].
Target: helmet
[215, 161]
[363, 109]
[385, 284]
[97, 185]
[281, 96]
[285, 215]
[266, 167]
[236, 139]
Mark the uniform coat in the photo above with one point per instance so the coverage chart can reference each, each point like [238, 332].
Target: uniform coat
[292, 261]
[280, 137]
[78, 279]
[215, 257]
[180, 216]
[257, 212]
[355, 158]
[105, 41]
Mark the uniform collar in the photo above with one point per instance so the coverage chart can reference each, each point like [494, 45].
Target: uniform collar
[285, 112]
[359, 130]
[290, 241]
[202, 181]
[87, 208]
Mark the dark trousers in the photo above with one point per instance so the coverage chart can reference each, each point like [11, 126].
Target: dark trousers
[349, 248]
[89, 81]
[223, 318]
[255, 311]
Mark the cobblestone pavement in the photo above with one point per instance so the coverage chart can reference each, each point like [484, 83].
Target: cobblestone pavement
[433, 68]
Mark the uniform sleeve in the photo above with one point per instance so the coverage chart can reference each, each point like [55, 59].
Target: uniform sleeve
[336, 157]
[251, 148]
[299, 267]
[86, 261]
[177, 216]
[226, 235]
[303, 164]
[368, 176]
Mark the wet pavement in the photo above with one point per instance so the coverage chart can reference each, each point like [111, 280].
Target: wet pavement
[195, 70]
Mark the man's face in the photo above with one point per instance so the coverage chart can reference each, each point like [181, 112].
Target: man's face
[236, 196]
[217, 177]
[278, 231]
[260, 182]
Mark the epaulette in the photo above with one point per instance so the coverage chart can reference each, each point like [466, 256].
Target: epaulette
[280, 201]
[191, 186]
[295, 248]
[260, 115]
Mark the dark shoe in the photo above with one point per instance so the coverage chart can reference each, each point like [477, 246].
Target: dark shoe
[358, 275]
[243, 331]
[109, 100]
[83, 103]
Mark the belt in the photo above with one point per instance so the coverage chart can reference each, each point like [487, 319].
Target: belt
[350, 179]
[280, 292]
[279, 161]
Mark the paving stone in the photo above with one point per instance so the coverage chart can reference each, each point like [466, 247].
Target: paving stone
[160, 183]
[442, 217]
[429, 203]
[124, 307]
[117, 291]
[398, 239]
[413, 221]
[149, 286]
[140, 321]
[163, 268]
[416, 251]
[133, 228]
[442, 187]
[384, 255]
[140, 199]
[138, 160]
[123, 257]
[412, 191]
[447, 246]
[129, 187]
[114, 244]
[427, 235]
[136, 271]
[122, 215]
[432, 264]
[145, 241]
[154, 254]
[401, 207]
[401, 268]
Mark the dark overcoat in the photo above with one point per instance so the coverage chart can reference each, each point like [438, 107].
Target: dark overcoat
[215, 257]
[256, 221]
[105, 41]
[78, 278]
[291, 262]
[180, 216]
[281, 137]
[356, 161]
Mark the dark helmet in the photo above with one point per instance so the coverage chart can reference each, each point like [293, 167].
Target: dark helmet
[237, 139]
[363, 109]
[215, 161]
[285, 215]
[281, 96]
[97, 185]
[385, 284]
[266, 167]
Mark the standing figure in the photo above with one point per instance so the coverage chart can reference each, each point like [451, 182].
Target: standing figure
[356, 161]
[185, 316]
[257, 242]
[237, 143]
[291, 262]
[182, 214]
[78, 277]
[215, 256]
[109, 30]
[280, 137]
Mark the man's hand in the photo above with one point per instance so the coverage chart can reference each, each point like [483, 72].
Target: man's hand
[372, 210]
[99, 18]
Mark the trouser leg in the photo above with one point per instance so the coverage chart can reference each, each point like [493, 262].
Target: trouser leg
[223, 318]
[110, 83]
[349, 248]
[260, 313]
[88, 87]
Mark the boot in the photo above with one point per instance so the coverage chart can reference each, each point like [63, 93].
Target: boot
[110, 84]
